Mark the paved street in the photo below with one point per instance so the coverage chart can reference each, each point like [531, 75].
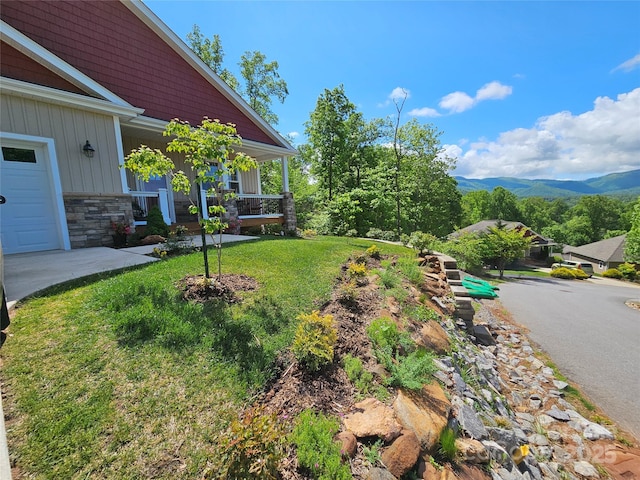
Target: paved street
[590, 334]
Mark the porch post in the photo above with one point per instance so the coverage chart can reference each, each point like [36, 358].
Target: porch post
[285, 174]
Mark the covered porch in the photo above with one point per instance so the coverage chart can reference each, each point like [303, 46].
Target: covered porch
[249, 207]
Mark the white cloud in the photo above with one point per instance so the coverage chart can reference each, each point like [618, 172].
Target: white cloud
[493, 91]
[629, 64]
[293, 134]
[603, 140]
[456, 102]
[424, 112]
[399, 93]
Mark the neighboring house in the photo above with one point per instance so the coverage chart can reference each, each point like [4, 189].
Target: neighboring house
[604, 254]
[540, 248]
[107, 76]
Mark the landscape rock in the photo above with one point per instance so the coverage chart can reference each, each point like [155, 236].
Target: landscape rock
[594, 431]
[471, 423]
[425, 412]
[402, 454]
[472, 451]
[586, 469]
[483, 335]
[372, 418]
[379, 474]
[558, 414]
[433, 337]
[348, 442]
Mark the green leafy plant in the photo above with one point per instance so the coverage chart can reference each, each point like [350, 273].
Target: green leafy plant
[361, 378]
[389, 278]
[423, 313]
[412, 371]
[422, 242]
[314, 340]
[252, 446]
[411, 270]
[317, 452]
[372, 452]
[448, 450]
[384, 333]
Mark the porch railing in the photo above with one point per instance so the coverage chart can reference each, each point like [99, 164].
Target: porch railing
[252, 206]
[144, 201]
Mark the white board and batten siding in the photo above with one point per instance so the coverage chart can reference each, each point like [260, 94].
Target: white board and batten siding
[43, 145]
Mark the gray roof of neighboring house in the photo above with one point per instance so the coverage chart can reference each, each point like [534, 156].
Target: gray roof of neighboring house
[484, 225]
[609, 250]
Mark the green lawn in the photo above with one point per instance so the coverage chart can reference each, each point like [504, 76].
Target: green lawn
[119, 378]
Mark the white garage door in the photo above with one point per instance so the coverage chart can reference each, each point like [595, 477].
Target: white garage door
[28, 218]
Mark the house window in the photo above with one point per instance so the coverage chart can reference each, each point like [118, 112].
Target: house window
[230, 182]
[23, 155]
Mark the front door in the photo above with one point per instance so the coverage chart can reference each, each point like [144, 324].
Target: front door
[28, 218]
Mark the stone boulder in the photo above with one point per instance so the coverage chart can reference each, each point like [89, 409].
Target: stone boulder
[372, 418]
[472, 451]
[425, 412]
[402, 454]
[433, 337]
[348, 443]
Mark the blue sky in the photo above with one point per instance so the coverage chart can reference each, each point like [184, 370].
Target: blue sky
[523, 89]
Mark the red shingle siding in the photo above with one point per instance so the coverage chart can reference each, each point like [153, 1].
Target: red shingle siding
[16, 65]
[108, 43]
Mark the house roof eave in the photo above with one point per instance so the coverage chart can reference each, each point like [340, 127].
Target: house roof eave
[150, 19]
[60, 97]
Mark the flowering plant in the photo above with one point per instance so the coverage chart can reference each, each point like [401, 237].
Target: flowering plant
[121, 228]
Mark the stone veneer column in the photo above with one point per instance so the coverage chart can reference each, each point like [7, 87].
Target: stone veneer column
[289, 211]
[89, 217]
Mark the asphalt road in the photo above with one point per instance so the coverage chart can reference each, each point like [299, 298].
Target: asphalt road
[590, 334]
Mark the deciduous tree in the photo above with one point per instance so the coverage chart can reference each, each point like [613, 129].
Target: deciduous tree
[210, 144]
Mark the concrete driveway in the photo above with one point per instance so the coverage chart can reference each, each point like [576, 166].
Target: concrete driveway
[28, 273]
[591, 335]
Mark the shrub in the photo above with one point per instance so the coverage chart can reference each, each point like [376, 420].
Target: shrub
[628, 271]
[252, 447]
[422, 242]
[309, 233]
[356, 271]
[348, 293]
[361, 378]
[579, 274]
[351, 233]
[410, 372]
[423, 314]
[563, 272]
[388, 278]
[612, 273]
[314, 340]
[374, 233]
[317, 452]
[373, 251]
[389, 236]
[155, 223]
[384, 333]
[411, 270]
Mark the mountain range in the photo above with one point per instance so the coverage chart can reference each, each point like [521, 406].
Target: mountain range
[618, 184]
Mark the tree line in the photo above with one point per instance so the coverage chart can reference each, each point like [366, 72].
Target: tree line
[386, 179]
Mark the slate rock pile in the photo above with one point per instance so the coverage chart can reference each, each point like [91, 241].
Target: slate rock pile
[507, 407]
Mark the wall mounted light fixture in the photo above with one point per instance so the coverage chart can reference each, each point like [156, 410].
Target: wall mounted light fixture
[88, 150]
